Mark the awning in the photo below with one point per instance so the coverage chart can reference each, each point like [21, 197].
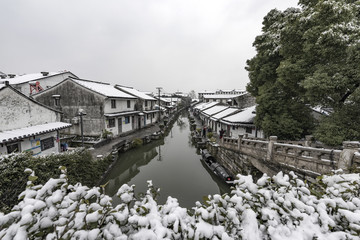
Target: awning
[239, 124]
[20, 133]
[120, 114]
[152, 111]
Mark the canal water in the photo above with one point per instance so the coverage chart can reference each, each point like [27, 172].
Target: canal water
[173, 164]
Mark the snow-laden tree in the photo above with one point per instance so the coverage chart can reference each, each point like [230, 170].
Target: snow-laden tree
[308, 55]
[281, 207]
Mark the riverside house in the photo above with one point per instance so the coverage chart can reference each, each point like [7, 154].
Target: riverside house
[27, 125]
[103, 108]
[145, 104]
[241, 123]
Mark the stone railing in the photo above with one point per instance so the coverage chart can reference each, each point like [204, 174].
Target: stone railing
[303, 159]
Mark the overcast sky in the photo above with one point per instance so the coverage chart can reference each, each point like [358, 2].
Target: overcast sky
[174, 44]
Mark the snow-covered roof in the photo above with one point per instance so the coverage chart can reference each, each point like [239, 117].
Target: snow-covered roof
[230, 91]
[203, 106]
[20, 133]
[222, 96]
[18, 79]
[169, 99]
[2, 85]
[135, 92]
[103, 88]
[245, 116]
[214, 110]
[207, 92]
[164, 99]
[224, 113]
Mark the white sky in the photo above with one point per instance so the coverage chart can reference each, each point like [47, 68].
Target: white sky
[174, 44]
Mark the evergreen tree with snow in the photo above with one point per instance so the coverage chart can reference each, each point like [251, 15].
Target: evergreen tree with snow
[308, 56]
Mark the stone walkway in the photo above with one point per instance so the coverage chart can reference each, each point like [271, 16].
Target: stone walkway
[107, 149]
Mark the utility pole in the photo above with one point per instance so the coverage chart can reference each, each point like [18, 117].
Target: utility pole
[81, 114]
[159, 88]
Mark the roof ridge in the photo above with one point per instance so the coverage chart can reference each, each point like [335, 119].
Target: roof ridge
[87, 80]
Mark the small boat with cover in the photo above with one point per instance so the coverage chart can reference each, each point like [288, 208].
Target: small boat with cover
[215, 167]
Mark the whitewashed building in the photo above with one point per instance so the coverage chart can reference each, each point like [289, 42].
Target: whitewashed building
[207, 113]
[145, 104]
[241, 123]
[27, 125]
[214, 121]
[105, 109]
[33, 83]
[203, 106]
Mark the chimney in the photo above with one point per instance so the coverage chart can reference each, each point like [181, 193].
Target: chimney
[45, 73]
[6, 83]
[11, 75]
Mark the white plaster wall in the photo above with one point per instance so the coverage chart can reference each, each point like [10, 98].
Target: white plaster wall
[149, 118]
[121, 105]
[126, 127]
[17, 111]
[3, 149]
[241, 131]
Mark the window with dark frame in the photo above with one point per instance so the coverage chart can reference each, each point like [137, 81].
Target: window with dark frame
[248, 130]
[128, 104]
[13, 148]
[57, 101]
[127, 120]
[111, 122]
[113, 103]
[47, 143]
[146, 103]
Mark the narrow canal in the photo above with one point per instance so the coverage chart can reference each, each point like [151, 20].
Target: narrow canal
[173, 164]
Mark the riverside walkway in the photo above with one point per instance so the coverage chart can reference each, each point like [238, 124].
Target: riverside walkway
[106, 149]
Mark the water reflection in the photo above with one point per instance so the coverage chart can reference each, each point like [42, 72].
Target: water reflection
[173, 164]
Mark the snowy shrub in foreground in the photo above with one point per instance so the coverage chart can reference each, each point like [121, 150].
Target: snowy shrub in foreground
[282, 207]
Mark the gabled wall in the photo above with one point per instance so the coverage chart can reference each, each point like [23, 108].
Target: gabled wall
[45, 82]
[18, 111]
[72, 98]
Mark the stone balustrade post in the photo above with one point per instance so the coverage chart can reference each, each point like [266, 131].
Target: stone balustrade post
[347, 155]
[239, 141]
[309, 140]
[270, 151]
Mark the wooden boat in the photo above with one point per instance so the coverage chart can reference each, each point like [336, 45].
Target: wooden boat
[215, 167]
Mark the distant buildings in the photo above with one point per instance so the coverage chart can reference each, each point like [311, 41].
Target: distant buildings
[235, 98]
[232, 111]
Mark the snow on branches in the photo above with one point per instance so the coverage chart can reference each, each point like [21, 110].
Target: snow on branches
[281, 207]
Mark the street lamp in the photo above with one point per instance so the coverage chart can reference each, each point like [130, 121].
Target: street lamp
[81, 114]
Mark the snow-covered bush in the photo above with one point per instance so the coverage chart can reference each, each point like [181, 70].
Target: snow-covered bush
[80, 164]
[281, 207]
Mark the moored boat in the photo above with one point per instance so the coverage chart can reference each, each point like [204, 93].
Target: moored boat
[215, 167]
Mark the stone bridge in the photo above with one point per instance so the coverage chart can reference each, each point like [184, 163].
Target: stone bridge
[247, 156]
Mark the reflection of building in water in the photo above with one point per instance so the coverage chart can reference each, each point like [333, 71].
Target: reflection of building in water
[129, 163]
